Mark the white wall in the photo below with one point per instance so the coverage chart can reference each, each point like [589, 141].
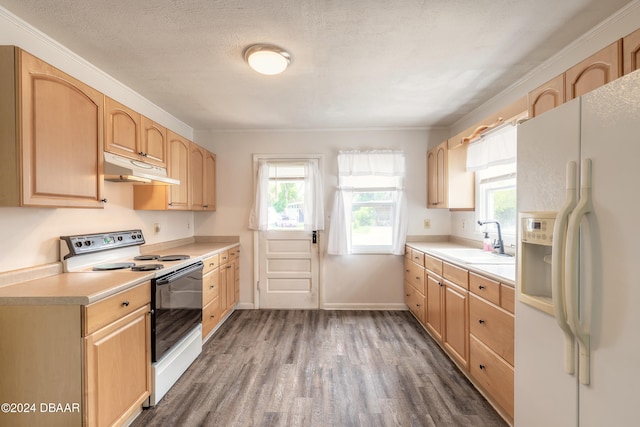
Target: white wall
[349, 281]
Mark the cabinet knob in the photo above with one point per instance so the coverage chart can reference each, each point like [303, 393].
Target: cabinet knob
[440, 283]
[205, 206]
[103, 200]
[481, 366]
[212, 286]
[125, 303]
[212, 316]
[481, 321]
[170, 203]
[407, 295]
[480, 287]
[417, 277]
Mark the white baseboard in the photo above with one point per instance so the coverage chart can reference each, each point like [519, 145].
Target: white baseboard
[364, 306]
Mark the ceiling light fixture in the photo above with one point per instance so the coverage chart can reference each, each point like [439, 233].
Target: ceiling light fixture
[267, 59]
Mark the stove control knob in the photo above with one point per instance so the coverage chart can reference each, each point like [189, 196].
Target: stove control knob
[139, 236]
[87, 243]
[120, 238]
[78, 244]
[133, 236]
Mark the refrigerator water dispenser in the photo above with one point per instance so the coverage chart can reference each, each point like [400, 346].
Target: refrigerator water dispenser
[534, 261]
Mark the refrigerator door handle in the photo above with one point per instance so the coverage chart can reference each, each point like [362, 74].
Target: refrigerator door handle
[571, 272]
[557, 267]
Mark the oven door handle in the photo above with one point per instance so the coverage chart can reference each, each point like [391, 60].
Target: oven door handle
[179, 273]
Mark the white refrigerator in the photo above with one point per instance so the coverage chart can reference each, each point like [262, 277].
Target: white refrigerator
[599, 382]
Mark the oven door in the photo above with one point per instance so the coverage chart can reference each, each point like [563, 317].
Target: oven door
[176, 301]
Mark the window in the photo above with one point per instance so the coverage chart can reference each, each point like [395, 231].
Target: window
[369, 209]
[493, 158]
[286, 196]
[289, 195]
[496, 190]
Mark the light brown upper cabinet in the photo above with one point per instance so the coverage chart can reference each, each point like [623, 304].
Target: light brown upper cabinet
[179, 164]
[437, 176]
[449, 185]
[597, 70]
[164, 197]
[51, 135]
[203, 179]
[546, 97]
[122, 130]
[132, 135]
[209, 202]
[631, 52]
[153, 142]
[197, 177]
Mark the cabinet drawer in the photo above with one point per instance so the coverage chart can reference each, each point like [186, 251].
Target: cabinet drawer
[507, 298]
[417, 257]
[414, 274]
[224, 257]
[210, 316]
[210, 288]
[433, 264]
[415, 301]
[493, 326]
[493, 374]
[486, 288]
[457, 275]
[210, 263]
[234, 253]
[110, 309]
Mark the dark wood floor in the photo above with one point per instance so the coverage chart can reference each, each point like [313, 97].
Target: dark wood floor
[321, 368]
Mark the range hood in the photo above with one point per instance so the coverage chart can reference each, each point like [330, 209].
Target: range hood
[121, 169]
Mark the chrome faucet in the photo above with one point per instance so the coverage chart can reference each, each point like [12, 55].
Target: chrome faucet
[499, 244]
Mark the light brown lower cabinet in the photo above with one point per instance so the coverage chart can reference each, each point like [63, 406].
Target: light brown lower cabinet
[77, 365]
[471, 317]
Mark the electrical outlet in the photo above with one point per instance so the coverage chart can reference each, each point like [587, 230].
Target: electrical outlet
[463, 223]
[156, 228]
[427, 223]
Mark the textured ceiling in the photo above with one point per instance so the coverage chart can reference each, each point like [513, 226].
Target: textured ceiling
[355, 64]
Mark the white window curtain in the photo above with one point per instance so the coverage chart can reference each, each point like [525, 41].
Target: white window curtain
[497, 148]
[313, 203]
[362, 170]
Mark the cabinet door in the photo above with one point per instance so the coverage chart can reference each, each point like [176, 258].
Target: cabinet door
[223, 289]
[456, 333]
[196, 168]
[437, 176]
[62, 138]
[546, 97]
[432, 179]
[122, 130]
[597, 70]
[441, 179]
[118, 370]
[178, 168]
[154, 143]
[434, 319]
[231, 283]
[631, 52]
[209, 202]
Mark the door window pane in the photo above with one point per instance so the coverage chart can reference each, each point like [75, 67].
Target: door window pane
[286, 196]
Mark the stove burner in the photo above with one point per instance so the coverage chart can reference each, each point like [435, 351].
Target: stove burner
[146, 257]
[147, 267]
[173, 257]
[113, 266]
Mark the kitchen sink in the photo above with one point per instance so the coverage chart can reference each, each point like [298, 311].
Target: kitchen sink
[475, 256]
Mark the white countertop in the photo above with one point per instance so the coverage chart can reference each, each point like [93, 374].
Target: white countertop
[504, 273]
